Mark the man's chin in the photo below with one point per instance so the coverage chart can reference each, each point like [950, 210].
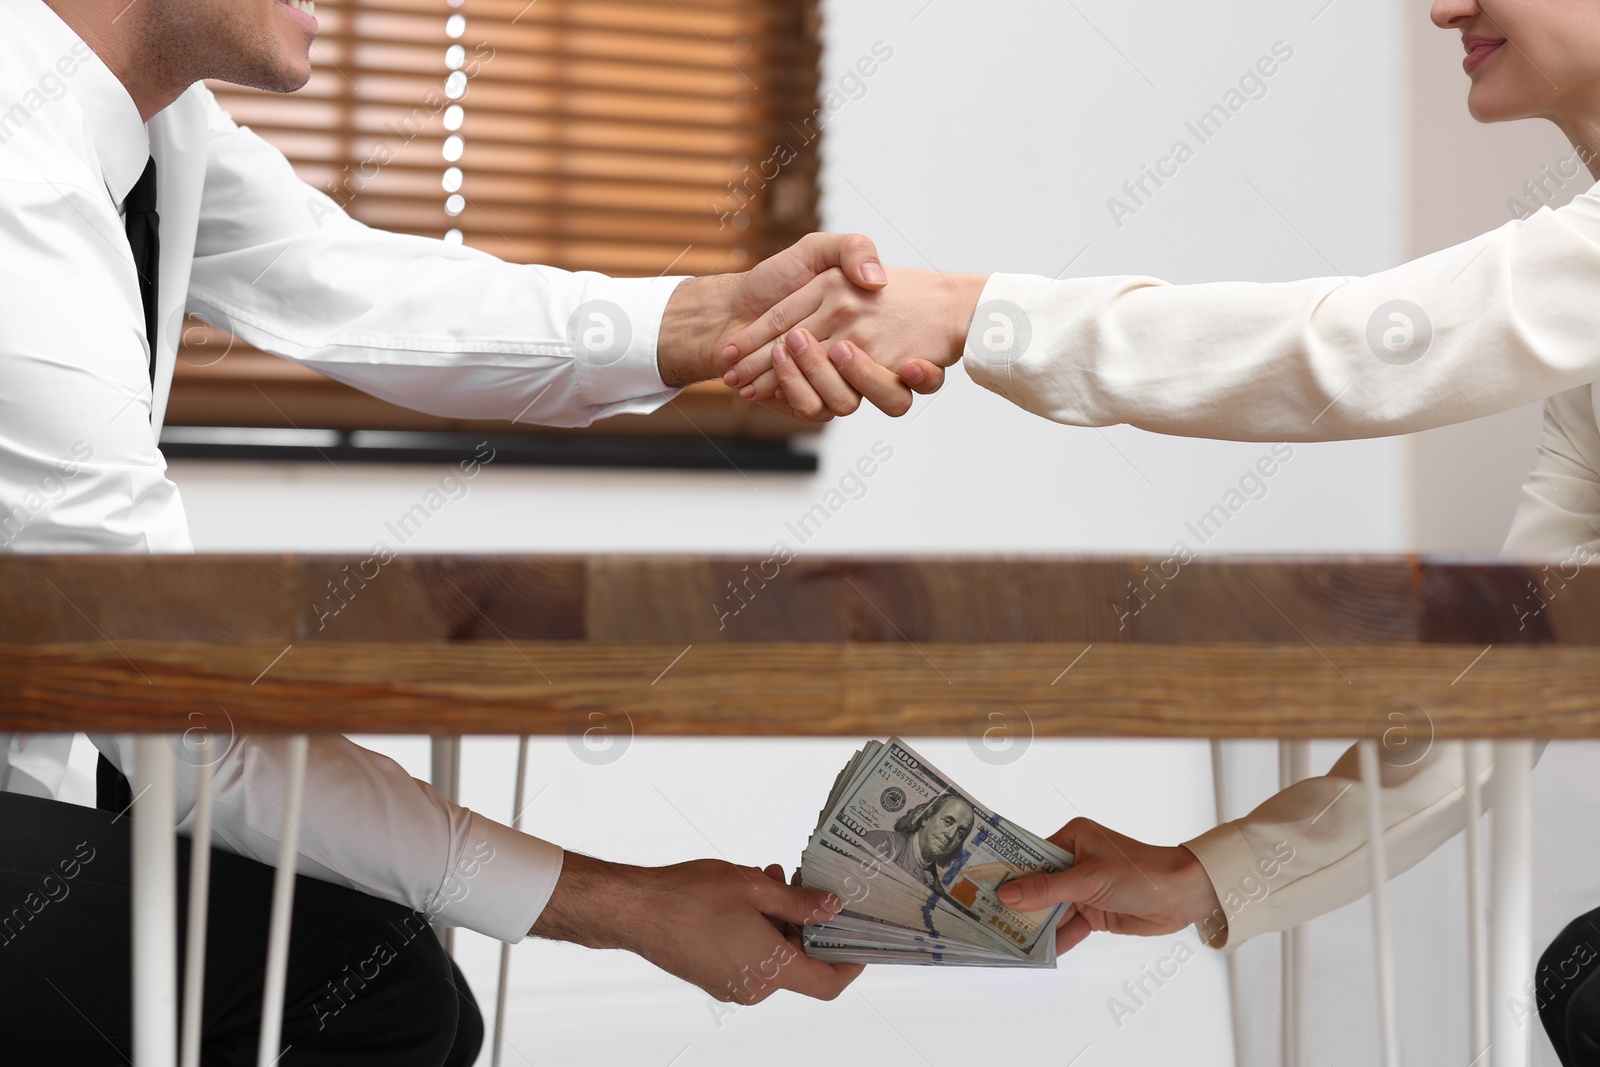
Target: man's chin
[292, 67]
[298, 79]
[282, 77]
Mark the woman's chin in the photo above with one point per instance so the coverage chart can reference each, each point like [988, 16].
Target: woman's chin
[1489, 106]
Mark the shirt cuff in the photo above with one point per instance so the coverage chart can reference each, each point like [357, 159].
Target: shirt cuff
[1231, 866]
[1022, 344]
[613, 334]
[503, 882]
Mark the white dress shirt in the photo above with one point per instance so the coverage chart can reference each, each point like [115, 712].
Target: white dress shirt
[246, 245]
[1513, 318]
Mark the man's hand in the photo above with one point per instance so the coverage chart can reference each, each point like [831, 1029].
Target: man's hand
[705, 314]
[723, 928]
[915, 328]
[1117, 884]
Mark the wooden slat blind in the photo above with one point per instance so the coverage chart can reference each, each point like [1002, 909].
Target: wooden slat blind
[634, 137]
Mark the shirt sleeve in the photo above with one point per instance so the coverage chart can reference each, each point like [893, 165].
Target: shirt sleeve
[420, 322]
[367, 824]
[1303, 852]
[34, 765]
[1502, 320]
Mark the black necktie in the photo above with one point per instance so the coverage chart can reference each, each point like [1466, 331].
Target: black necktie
[144, 237]
[112, 789]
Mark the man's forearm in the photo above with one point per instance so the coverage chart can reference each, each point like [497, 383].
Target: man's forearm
[706, 921]
[593, 903]
[698, 315]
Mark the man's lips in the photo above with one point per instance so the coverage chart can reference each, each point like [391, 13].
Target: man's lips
[1479, 49]
[303, 13]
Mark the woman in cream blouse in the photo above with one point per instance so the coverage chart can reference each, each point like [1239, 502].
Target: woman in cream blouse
[1508, 318]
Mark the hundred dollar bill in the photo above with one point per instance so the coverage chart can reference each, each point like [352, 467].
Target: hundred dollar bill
[843, 939]
[904, 846]
[820, 948]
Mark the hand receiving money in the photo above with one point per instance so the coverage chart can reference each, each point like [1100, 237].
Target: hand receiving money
[919, 864]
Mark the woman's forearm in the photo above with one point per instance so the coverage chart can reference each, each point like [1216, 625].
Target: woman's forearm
[1482, 327]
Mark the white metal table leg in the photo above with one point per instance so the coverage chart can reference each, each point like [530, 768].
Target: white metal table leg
[445, 772]
[1511, 902]
[1382, 926]
[1474, 756]
[267, 1052]
[1219, 793]
[194, 968]
[445, 769]
[505, 950]
[1294, 764]
[155, 894]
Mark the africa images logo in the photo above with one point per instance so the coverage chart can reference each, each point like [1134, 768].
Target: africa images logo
[599, 332]
[1399, 333]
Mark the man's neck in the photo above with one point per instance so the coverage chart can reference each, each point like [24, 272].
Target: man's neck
[119, 33]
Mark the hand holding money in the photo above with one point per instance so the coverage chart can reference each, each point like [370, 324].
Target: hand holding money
[722, 927]
[919, 865]
[1120, 885]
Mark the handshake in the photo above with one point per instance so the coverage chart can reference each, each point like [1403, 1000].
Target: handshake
[817, 328]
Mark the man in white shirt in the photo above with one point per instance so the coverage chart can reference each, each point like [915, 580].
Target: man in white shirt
[127, 197]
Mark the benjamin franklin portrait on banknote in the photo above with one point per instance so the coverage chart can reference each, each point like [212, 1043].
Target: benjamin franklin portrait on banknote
[926, 838]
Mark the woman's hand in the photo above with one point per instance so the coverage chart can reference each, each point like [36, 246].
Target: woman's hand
[1117, 884]
[915, 328]
[704, 313]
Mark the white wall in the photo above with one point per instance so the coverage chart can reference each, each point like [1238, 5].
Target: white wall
[1462, 174]
[990, 141]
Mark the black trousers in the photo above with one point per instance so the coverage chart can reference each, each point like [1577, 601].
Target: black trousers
[368, 981]
[1567, 990]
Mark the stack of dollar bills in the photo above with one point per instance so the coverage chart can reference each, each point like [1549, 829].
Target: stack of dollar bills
[918, 862]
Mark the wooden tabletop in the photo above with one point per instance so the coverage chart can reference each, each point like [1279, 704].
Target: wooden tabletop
[1141, 646]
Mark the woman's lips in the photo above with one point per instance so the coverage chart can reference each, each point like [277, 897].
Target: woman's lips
[1479, 49]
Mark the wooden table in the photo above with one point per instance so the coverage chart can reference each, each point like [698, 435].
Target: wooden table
[1266, 647]
[1291, 648]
